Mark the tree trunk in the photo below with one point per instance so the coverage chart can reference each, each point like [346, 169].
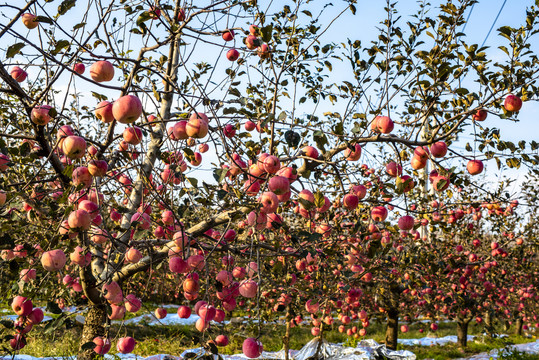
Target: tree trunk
[392, 329]
[286, 337]
[518, 324]
[462, 332]
[320, 340]
[506, 325]
[488, 324]
[94, 325]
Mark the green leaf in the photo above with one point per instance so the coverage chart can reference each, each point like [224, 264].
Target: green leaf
[43, 19]
[306, 203]
[339, 128]
[319, 200]
[79, 25]
[292, 138]
[14, 50]
[320, 139]
[357, 128]
[193, 182]
[219, 175]
[65, 6]
[53, 307]
[88, 346]
[8, 324]
[266, 33]
[60, 45]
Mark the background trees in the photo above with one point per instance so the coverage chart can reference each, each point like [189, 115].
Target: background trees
[214, 138]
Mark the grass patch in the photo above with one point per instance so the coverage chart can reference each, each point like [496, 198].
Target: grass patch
[175, 339]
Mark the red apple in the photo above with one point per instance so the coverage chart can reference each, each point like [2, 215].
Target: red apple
[353, 155]
[279, 185]
[252, 348]
[126, 345]
[232, 54]
[102, 71]
[350, 201]
[251, 42]
[384, 124]
[103, 112]
[248, 288]
[181, 15]
[133, 135]
[79, 68]
[53, 260]
[228, 35]
[2, 197]
[480, 115]
[310, 151]
[184, 312]
[154, 12]
[221, 340]
[249, 125]
[418, 163]
[18, 342]
[18, 74]
[438, 149]
[132, 303]
[133, 256]
[512, 103]
[475, 167]
[36, 316]
[269, 202]
[197, 126]
[41, 114]
[97, 168]
[74, 147]
[102, 345]
[393, 169]
[29, 20]
[379, 213]
[79, 219]
[127, 109]
[21, 306]
[263, 51]
[406, 222]
[160, 313]
[81, 176]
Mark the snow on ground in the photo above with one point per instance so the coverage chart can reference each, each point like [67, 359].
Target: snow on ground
[170, 319]
[429, 341]
[15, 317]
[531, 348]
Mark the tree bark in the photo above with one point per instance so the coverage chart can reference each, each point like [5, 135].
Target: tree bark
[462, 332]
[94, 325]
[392, 328]
[518, 325]
[286, 337]
[488, 324]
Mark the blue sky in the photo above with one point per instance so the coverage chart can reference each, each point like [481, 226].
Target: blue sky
[363, 26]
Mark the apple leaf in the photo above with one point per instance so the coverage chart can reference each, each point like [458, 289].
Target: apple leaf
[65, 6]
[88, 346]
[319, 199]
[14, 50]
[60, 45]
[43, 19]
